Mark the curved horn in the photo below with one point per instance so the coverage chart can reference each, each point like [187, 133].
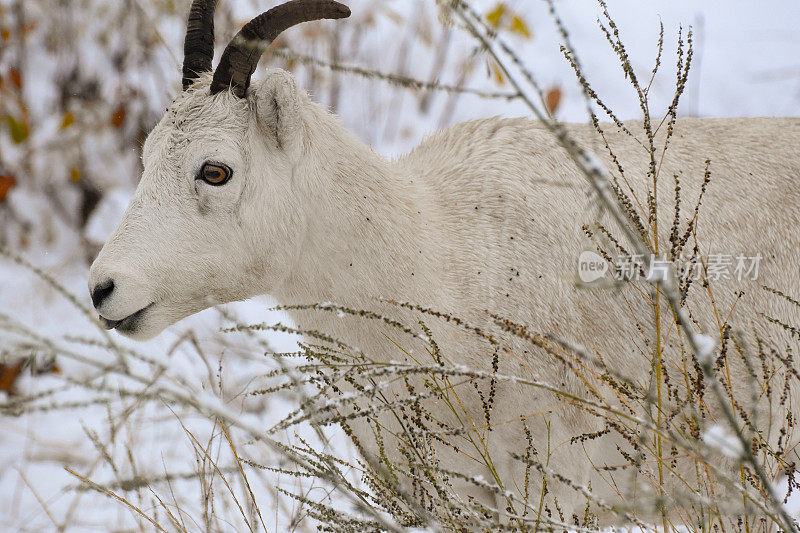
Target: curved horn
[242, 54]
[198, 48]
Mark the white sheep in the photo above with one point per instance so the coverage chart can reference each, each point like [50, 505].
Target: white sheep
[251, 190]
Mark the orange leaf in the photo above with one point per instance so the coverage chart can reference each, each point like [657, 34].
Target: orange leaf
[118, 116]
[16, 77]
[75, 174]
[553, 99]
[518, 26]
[495, 16]
[5, 34]
[6, 182]
[8, 375]
[498, 74]
[19, 129]
[69, 119]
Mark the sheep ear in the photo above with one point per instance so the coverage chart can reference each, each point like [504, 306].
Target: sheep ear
[277, 105]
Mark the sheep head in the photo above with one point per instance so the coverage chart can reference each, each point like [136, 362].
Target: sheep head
[214, 218]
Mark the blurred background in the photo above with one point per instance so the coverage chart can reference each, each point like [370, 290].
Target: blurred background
[83, 81]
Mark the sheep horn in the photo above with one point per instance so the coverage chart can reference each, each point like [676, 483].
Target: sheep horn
[241, 56]
[198, 48]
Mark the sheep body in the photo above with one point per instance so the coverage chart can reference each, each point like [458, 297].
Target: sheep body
[492, 216]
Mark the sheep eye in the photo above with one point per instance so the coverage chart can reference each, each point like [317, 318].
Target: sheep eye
[215, 174]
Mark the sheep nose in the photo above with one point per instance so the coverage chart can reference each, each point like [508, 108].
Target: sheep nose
[101, 291]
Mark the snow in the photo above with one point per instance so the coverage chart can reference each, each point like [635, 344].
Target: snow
[705, 346]
[722, 440]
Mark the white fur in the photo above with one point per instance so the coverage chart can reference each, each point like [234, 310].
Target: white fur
[484, 216]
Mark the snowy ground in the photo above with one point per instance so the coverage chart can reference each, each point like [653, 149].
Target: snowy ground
[746, 65]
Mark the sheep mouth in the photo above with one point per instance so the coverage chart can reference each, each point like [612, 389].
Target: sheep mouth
[126, 324]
